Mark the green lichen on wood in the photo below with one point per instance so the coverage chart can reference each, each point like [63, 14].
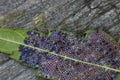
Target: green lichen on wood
[40, 24]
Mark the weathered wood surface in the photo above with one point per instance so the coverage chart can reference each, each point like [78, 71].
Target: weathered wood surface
[71, 15]
[12, 70]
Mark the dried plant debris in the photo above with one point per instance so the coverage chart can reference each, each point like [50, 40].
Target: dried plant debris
[96, 47]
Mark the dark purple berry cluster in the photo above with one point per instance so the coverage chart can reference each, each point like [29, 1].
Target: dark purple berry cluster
[96, 48]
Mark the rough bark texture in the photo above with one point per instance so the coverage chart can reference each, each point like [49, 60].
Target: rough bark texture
[71, 15]
[12, 70]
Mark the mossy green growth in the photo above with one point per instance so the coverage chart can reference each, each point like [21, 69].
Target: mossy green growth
[38, 19]
[40, 24]
[14, 35]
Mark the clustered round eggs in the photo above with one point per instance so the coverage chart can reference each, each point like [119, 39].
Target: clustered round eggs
[96, 48]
